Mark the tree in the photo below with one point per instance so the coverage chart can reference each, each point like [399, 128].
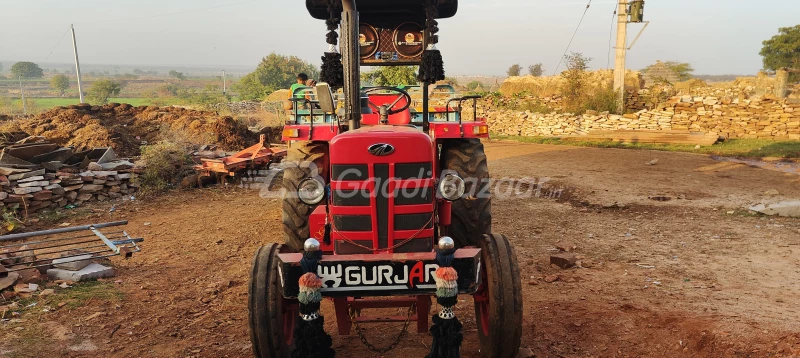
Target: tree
[60, 83]
[783, 50]
[535, 70]
[514, 70]
[273, 73]
[472, 85]
[682, 69]
[392, 76]
[574, 77]
[27, 70]
[176, 74]
[102, 90]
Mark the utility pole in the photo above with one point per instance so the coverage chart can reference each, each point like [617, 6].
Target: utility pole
[77, 63]
[22, 95]
[223, 83]
[619, 60]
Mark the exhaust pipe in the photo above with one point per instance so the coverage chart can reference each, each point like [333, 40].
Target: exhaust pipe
[350, 62]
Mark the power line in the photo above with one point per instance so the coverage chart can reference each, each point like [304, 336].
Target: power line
[610, 36]
[573, 37]
[56, 46]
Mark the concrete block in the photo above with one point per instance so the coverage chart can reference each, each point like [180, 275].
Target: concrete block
[786, 208]
[93, 271]
[73, 263]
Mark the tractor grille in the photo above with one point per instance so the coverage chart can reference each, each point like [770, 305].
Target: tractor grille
[382, 196]
[413, 171]
[413, 196]
[413, 221]
[352, 222]
[382, 202]
[351, 197]
[349, 172]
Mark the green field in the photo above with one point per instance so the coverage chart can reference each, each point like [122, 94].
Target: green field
[750, 148]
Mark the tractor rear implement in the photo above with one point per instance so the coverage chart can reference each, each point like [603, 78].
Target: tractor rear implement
[386, 201]
[258, 156]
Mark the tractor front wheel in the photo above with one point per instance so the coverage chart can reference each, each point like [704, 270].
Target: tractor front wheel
[303, 160]
[472, 214]
[498, 302]
[271, 316]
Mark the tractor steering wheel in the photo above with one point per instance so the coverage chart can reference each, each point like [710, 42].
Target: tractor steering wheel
[390, 108]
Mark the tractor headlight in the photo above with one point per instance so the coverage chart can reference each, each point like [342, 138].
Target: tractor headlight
[311, 191]
[451, 187]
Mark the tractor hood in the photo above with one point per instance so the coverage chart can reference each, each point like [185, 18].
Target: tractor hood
[382, 144]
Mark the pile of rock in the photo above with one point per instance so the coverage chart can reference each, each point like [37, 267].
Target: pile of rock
[24, 280]
[756, 117]
[19, 282]
[36, 174]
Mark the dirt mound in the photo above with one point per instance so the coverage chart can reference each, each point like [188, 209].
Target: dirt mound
[125, 128]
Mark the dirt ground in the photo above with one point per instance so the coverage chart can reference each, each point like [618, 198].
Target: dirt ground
[689, 274]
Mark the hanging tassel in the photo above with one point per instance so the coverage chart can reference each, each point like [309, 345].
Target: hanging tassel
[332, 71]
[431, 69]
[310, 339]
[446, 329]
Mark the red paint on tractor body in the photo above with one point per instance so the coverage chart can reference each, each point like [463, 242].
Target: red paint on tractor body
[352, 149]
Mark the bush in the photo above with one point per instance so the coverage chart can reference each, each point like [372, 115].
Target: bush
[165, 164]
[604, 99]
[578, 94]
[102, 90]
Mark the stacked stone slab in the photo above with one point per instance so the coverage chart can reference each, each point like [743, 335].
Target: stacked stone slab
[40, 189]
[757, 117]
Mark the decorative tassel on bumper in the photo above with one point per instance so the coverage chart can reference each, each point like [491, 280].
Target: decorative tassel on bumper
[310, 339]
[446, 329]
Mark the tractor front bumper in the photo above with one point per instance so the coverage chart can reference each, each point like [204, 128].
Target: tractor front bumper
[380, 274]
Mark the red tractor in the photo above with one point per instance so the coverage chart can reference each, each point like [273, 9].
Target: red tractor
[386, 200]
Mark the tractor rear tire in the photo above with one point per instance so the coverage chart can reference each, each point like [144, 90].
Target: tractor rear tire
[472, 214]
[303, 160]
[268, 314]
[498, 303]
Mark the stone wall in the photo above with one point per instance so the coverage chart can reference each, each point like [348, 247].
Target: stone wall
[756, 117]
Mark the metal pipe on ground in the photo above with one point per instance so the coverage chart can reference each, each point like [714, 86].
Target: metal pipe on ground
[26, 235]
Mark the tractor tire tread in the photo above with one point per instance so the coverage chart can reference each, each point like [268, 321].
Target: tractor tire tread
[471, 215]
[505, 295]
[295, 212]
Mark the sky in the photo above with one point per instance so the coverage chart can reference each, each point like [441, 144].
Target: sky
[484, 38]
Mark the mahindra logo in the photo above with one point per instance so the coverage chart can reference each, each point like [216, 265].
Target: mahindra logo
[381, 149]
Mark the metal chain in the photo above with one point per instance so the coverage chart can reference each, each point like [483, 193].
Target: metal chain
[397, 339]
[351, 242]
